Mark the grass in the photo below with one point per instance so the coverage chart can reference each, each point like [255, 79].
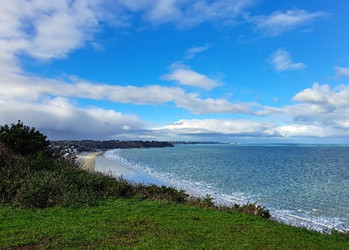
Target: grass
[146, 224]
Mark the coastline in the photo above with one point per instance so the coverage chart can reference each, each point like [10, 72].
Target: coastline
[106, 165]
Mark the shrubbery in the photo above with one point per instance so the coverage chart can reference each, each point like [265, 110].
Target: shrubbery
[23, 139]
[252, 208]
[41, 181]
[160, 193]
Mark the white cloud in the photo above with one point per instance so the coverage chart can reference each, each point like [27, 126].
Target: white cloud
[215, 106]
[306, 130]
[282, 61]
[217, 126]
[322, 106]
[237, 128]
[192, 52]
[27, 88]
[183, 75]
[281, 22]
[323, 94]
[47, 30]
[341, 72]
[317, 94]
[188, 13]
[23, 87]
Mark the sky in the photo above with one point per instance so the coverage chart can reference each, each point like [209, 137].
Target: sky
[248, 71]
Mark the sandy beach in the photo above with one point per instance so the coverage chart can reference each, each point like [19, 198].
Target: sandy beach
[117, 169]
[88, 162]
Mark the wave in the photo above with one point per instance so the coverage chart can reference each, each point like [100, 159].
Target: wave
[317, 223]
[195, 188]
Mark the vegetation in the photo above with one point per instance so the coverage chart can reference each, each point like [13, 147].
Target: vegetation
[23, 139]
[40, 181]
[47, 202]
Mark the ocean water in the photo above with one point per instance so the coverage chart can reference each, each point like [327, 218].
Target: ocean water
[301, 185]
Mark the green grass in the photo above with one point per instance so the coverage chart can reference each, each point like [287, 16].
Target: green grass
[146, 224]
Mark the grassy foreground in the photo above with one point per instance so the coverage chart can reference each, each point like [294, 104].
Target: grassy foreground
[146, 224]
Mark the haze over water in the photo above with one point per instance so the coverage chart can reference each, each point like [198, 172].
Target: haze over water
[302, 185]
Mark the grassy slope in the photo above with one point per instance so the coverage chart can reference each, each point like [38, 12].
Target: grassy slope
[125, 223]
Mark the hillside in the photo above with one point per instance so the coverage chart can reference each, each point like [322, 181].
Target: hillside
[146, 224]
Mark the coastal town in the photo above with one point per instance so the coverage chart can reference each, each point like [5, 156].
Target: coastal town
[68, 150]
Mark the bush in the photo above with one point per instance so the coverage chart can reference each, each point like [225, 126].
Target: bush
[9, 181]
[41, 181]
[161, 193]
[23, 139]
[252, 208]
[37, 191]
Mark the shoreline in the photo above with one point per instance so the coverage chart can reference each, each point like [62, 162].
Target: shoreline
[116, 169]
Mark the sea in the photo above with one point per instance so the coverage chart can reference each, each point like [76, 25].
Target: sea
[301, 185]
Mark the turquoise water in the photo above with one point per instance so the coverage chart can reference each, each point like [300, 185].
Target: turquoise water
[302, 185]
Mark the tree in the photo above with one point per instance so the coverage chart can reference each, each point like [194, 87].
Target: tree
[23, 139]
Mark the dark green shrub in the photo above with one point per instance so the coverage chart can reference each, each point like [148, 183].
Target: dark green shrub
[207, 201]
[119, 188]
[23, 139]
[160, 193]
[11, 178]
[35, 192]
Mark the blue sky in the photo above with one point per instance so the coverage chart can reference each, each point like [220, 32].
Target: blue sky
[233, 70]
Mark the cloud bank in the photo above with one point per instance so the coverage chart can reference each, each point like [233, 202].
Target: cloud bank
[60, 119]
[319, 112]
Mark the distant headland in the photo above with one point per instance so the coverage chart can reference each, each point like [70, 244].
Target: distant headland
[69, 148]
